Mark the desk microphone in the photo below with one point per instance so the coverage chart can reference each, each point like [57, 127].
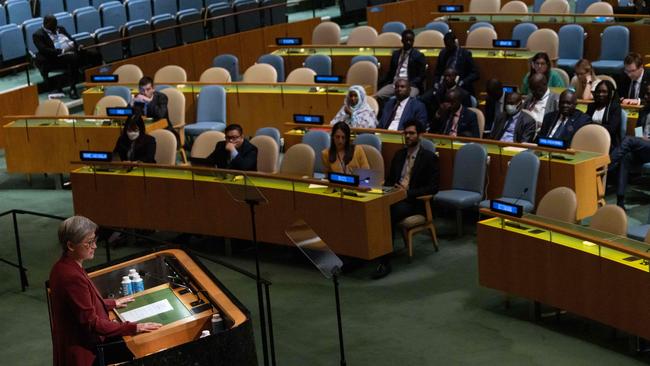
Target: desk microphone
[515, 224]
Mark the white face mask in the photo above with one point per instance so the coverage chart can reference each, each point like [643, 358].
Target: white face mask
[133, 135]
[512, 109]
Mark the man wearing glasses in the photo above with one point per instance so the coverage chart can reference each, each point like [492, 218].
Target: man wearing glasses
[634, 82]
[234, 153]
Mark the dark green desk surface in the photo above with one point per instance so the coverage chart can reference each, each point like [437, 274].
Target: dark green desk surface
[164, 293]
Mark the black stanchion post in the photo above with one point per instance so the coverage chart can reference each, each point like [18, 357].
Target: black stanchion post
[270, 320]
[21, 269]
[260, 297]
[338, 317]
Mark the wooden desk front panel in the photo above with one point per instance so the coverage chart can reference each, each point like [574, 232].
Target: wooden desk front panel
[582, 283]
[207, 208]
[20, 101]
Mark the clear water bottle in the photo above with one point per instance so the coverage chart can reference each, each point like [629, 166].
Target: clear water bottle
[126, 286]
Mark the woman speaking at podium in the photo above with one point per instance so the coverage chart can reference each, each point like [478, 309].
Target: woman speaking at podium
[79, 313]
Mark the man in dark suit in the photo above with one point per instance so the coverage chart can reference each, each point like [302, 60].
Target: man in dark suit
[234, 153]
[407, 63]
[494, 102]
[563, 123]
[415, 170]
[514, 125]
[459, 59]
[435, 96]
[453, 119]
[151, 102]
[402, 108]
[634, 81]
[632, 151]
[57, 50]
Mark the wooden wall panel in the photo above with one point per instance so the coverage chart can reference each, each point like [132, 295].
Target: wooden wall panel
[20, 101]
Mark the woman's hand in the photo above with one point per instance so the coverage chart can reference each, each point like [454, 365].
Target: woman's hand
[147, 327]
[121, 303]
[348, 110]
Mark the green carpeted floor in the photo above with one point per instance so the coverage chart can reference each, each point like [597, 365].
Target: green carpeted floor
[429, 312]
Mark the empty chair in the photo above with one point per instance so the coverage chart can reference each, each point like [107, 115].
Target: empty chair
[301, 75]
[275, 15]
[640, 232]
[29, 27]
[555, 7]
[395, 27]
[261, 73]
[522, 31]
[215, 75]
[205, 144]
[559, 204]
[230, 63]
[429, 39]
[515, 7]
[98, 3]
[582, 5]
[170, 74]
[247, 19]
[164, 7]
[72, 5]
[368, 139]
[439, 26]
[139, 45]
[544, 40]
[3, 15]
[120, 91]
[108, 102]
[51, 108]
[166, 38]
[484, 6]
[165, 147]
[321, 64]
[267, 154]
[481, 38]
[210, 112]
[610, 219]
[362, 36]
[12, 43]
[190, 33]
[190, 4]
[520, 185]
[370, 58]
[271, 132]
[176, 115]
[138, 9]
[276, 61]
[18, 11]
[571, 46]
[66, 21]
[389, 40]
[112, 14]
[363, 73]
[614, 46]
[326, 33]
[416, 223]
[223, 25]
[375, 160]
[298, 161]
[319, 141]
[113, 51]
[128, 73]
[537, 4]
[600, 7]
[595, 138]
[87, 19]
[470, 165]
[478, 25]
[374, 105]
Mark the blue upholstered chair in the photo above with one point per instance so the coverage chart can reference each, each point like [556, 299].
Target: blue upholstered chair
[520, 185]
[210, 112]
[368, 139]
[614, 46]
[571, 48]
[319, 141]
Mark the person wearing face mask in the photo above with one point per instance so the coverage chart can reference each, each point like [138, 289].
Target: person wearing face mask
[402, 108]
[634, 80]
[407, 63]
[434, 97]
[514, 125]
[541, 100]
[134, 144]
[343, 156]
[606, 110]
[356, 111]
[563, 123]
[632, 151]
[458, 59]
[453, 119]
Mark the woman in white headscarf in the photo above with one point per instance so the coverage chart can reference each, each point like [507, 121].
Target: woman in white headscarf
[355, 111]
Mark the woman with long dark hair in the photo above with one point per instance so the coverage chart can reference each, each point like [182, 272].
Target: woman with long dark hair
[134, 144]
[343, 156]
[541, 64]
[606, 110]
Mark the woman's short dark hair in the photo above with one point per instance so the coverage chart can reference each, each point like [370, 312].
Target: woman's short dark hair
[74, 229]
[349, 147]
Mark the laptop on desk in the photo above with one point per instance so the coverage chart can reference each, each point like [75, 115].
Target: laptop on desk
[369, 178]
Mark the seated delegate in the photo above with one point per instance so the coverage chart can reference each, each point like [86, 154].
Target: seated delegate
[234, 153]
[343, 156]
[356, 111]
[79, 313]
[453, 119]
[541, 64]
[585, 80]
[407, 63]
[514, 125]
[401, 108]
[563, 123]
[606, 111]
[134, 144]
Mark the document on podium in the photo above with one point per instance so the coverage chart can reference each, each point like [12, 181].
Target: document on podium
[158, 304]
[147, 311]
